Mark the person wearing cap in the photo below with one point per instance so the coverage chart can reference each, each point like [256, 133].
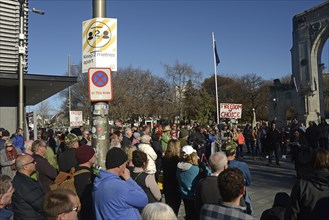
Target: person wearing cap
[83, 181]
[4, 138]
[183, 137]
[230, 149]
[67, 159]
[8, 157]
[46, 173]
[188, 174]
[115, 194]
[165, 137]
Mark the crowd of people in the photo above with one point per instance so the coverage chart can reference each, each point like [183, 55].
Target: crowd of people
[149, 173]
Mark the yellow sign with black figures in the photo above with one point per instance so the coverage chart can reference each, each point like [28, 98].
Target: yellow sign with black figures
[99, 43]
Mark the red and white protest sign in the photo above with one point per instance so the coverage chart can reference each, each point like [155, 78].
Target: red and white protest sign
[230, 110]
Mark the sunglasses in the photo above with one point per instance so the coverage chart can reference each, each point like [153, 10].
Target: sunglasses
[9, 145]
[75, 209]
[33, 161]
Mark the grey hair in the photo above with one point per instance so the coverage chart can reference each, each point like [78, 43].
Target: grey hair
[28, 145]
[217, 161]
[115, 144]
[36, 144]
[158, 210]
[127, 130]
[146, 139]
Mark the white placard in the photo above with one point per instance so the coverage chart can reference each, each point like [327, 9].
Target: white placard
[230, 110]
[76, 118]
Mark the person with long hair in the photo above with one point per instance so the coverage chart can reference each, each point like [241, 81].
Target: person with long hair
[170, 182]
[188, 173]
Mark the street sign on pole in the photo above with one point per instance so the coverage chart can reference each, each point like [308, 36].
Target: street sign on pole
[100, 84]
[99, 43]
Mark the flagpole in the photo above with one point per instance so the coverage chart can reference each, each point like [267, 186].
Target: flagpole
[215, 67]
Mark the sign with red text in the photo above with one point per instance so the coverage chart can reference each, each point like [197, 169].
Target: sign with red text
[230, 110]
[76, 118]
[100, 84]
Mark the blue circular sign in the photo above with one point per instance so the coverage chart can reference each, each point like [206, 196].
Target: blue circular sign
[100, 78]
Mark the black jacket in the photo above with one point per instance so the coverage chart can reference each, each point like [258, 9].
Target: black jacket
[67, 160]
[83, 185]
[309, 197]
[27, 199]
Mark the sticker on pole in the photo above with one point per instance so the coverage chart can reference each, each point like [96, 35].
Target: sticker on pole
[100, 84]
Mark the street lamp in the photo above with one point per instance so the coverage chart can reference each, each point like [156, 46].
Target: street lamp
[274, 103]
[22, 53]
[253, 118]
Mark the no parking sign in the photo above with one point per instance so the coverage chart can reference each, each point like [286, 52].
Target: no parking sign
[100, 84]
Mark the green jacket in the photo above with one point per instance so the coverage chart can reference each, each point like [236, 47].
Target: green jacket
[164, 141]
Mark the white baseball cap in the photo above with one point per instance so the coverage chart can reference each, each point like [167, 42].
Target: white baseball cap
[188, 149]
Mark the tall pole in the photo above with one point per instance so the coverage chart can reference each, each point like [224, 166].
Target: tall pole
[22, 52]
[69, 73]
[215, 67]
[69, 104]
[100, 109]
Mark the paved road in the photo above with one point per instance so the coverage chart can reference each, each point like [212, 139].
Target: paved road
[266, 182]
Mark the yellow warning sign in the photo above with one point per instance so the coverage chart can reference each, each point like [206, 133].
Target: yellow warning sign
[99, 43]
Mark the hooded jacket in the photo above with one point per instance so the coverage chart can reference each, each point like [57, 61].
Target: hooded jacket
[151, 156]
[187, 176]
[309, 197]
[115, 198]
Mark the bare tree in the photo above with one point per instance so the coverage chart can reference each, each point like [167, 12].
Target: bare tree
[43, 110]
[179, 75]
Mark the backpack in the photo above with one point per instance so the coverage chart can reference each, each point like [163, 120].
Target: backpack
[66, 180]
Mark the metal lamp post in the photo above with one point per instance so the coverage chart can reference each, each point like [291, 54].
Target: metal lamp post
[22, 53]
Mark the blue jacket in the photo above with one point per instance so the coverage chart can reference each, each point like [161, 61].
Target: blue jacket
[18, 141]
[243, 167]
[5, 214]
[115, 198]
[188, 176]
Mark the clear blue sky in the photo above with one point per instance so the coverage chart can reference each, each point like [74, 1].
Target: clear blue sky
[252, 36]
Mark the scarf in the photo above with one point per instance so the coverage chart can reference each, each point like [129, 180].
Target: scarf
[12, 155]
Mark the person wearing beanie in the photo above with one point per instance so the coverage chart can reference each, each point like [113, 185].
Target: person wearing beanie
[67, 159]
[83, 180]
[183, 137]
[115, 194]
